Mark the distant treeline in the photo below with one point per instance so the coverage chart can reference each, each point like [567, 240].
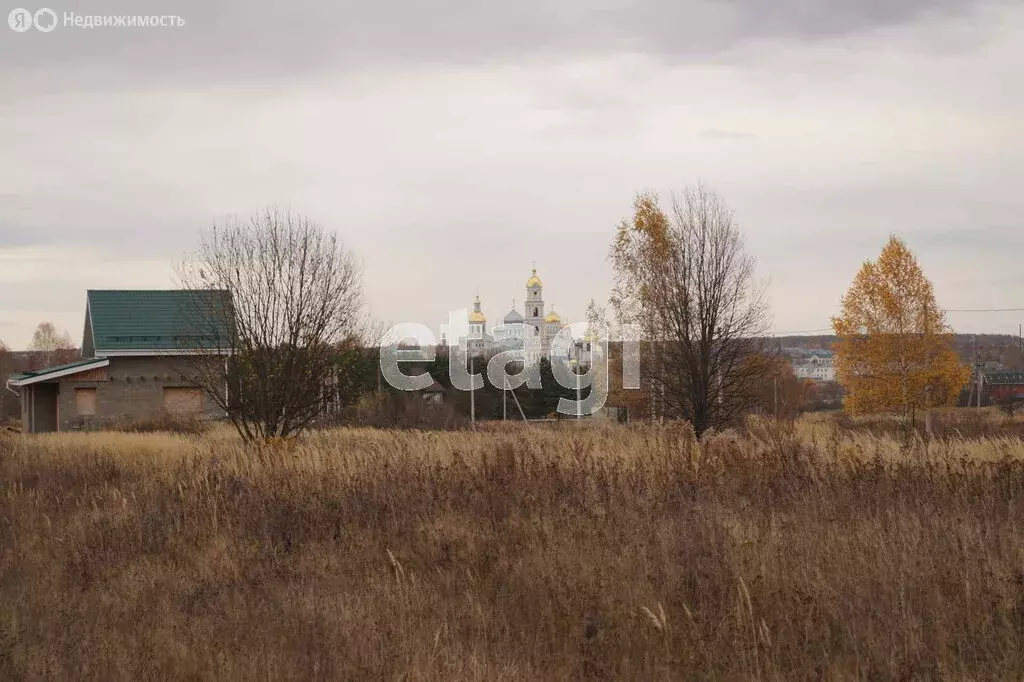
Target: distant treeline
[1002, 348]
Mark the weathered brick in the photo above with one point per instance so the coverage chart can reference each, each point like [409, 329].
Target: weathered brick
[134, 389]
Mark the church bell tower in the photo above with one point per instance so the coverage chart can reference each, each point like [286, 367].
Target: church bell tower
[534, 306]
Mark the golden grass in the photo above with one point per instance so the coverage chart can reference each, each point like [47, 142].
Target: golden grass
[806, 551]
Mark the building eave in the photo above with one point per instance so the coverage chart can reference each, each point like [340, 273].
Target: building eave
[43, 375]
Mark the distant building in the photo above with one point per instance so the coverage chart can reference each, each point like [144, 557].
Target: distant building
[476, 340]
[137, 348]
[434, 393]
[816, 365]
[530, 332]
[1005, 385]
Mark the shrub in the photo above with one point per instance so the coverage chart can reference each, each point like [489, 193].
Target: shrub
[394, 410]
[1010, 405]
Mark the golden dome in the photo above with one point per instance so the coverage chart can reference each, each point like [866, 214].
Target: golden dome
[477, 315]
[534, 280]
[552, 317]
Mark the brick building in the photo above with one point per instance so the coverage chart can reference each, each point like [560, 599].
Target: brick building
[139, 349]
[1005, 386]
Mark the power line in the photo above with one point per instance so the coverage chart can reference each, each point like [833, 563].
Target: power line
[801, 332]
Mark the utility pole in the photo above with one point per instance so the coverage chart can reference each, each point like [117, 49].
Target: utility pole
[579, 349]
[472, 394]
[981, 379]
[977, 368]
[522, 414]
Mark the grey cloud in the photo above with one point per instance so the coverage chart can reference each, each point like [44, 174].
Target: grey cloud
[251, 41]
[327, 107]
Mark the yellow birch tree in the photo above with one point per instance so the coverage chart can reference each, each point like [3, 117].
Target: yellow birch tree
[894, 351]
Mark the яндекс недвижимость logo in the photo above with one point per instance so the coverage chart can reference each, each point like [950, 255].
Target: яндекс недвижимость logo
[45, 20]
[21, 20]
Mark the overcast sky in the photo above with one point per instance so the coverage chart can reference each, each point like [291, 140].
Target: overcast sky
[452, 143]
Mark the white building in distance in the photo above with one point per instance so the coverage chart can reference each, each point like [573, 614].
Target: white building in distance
[530, 331]
[816, 365]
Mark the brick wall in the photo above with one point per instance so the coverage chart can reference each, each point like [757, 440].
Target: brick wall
[1003, 391]
[133, 389]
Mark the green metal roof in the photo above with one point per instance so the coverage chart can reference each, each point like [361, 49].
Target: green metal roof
[1004, 378]
[41, 374]
[128, 320]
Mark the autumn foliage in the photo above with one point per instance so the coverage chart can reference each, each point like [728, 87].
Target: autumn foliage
[684, 281]
[895, 351]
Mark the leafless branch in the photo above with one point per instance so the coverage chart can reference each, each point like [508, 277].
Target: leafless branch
[293, 298]
[687, 282]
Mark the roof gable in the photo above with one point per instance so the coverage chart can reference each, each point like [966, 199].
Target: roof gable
[88, 343]
[157, 320]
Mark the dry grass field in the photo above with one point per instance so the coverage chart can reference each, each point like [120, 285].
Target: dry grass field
[818, 551]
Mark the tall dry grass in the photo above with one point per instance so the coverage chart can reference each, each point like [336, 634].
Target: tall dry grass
[807, 551]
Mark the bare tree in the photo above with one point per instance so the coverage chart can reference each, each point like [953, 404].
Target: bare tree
[686, 281]
[293, 299]
[54, 347]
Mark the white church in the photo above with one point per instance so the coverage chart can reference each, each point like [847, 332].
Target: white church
[530, 331]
